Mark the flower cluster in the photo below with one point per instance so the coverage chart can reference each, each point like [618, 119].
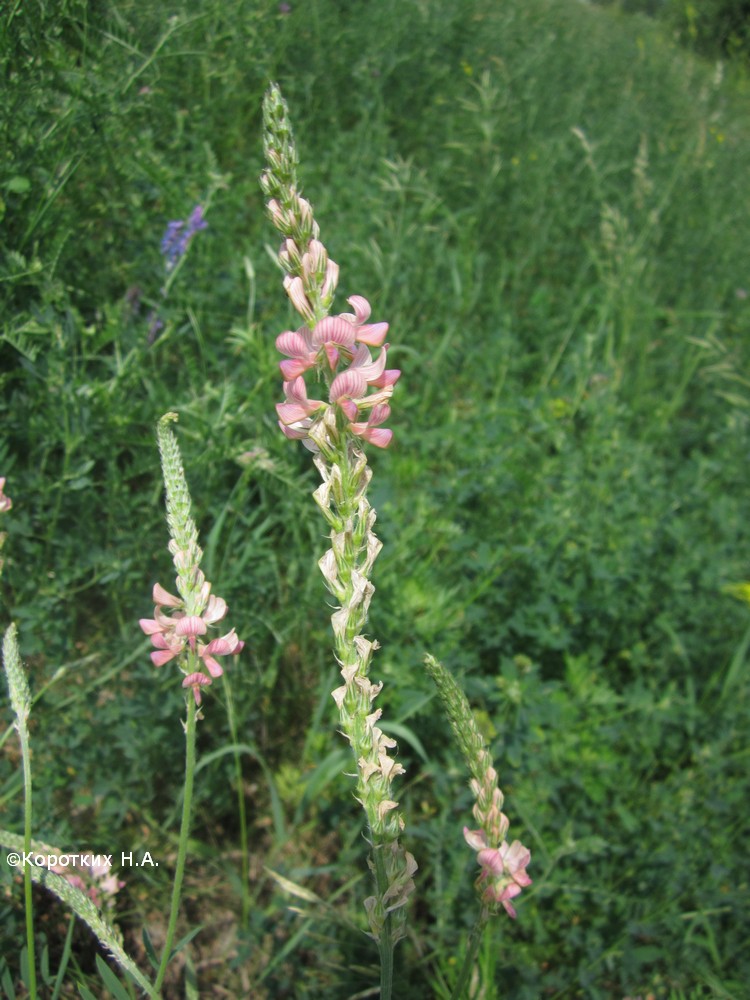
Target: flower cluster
[178, 234]
[339, 346]
[179, 623]
[335, 348]
[177, 634]
[503, 872]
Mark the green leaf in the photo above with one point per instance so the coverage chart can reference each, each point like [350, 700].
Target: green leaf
[150, 951]
[18, 185]
[7, 983]
[184, 941]
[111, 981]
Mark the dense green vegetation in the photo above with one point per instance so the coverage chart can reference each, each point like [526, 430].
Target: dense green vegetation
[548, 202]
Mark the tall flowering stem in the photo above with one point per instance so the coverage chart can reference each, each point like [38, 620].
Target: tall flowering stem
[20, 700]
[335, 352]
[178, 631]
[502, 873]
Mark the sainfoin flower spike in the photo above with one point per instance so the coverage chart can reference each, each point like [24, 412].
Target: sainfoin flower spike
[180, 627]
[337, 388]
[333, 350]
[503, 866]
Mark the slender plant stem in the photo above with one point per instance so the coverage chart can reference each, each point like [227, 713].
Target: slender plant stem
[30, 948]
[187, 803]
[472, 947]
[386, 943]
[244, 852]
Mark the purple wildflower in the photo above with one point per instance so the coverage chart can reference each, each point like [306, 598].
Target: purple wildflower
[178, 234]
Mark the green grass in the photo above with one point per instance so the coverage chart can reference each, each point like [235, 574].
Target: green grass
[547, 201]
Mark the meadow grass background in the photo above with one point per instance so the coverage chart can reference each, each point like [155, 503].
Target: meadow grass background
[548, 203]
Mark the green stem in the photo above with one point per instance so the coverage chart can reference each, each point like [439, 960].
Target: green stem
[244, 852]
[187, 802]
[385, 943]
[25, 755]
[472, 947]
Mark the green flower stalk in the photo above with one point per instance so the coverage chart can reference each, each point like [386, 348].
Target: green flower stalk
[336, 351]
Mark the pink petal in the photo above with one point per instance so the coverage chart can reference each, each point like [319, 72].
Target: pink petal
[361, 308]
[215, 611]
[373, 334]
[291, 369]
[381, 437]
[163, 656]
[163, 597]
[196, 682]
[388, 378]
[476, 839]
[213, 666]
[225, 644]
[333, 330]
[190, 625]
[349, 383]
